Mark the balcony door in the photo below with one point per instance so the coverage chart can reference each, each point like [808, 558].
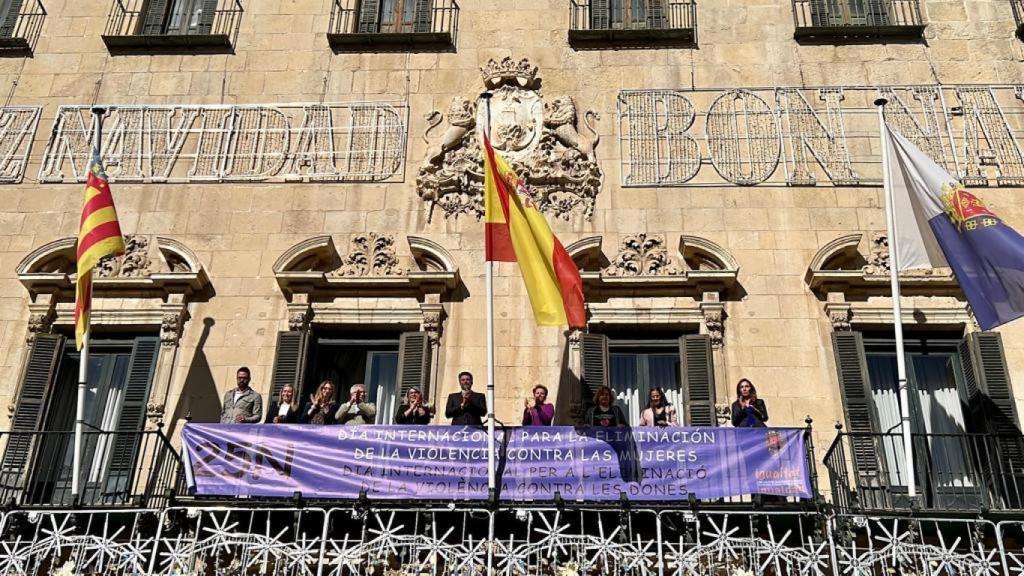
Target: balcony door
[638, 367]
[347, 361]
[9, 11]
[117, 389]
[179, 17]
[827, 13]
[937, 400]
[627, 14]
[395, 16]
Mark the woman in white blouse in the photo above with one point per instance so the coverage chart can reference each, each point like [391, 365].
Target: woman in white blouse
[284, 410]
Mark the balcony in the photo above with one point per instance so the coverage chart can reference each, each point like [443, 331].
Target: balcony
[170, 25]
[840, 20]
[20, 25]
[955, 473]
[626, 23]
[393, 25]
[120, 469]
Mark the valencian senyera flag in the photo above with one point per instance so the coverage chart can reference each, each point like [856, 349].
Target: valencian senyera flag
[99, 235]
[517, 232]
[939, 224]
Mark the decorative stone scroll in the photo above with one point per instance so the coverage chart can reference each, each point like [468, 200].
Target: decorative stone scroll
[815, 136]
[343, 142]
[541, 138]
[643, 255]
[370, 255]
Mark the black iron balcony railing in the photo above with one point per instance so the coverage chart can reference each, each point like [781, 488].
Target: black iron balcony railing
[596, 23]
[191, 24]
[119, 469]
[367, 25]
[20, 25]
[853, 19]
[952, 472]
[1018, 15]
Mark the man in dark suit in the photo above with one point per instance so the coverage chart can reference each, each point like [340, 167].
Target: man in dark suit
[466, 408]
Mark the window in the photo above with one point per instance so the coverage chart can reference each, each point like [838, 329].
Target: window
[631, 364]
[937, 400]
[179, 17]
[389, 363]
[358, 360]
[119, 379]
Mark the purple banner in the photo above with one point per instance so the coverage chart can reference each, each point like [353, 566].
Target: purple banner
[450, 462]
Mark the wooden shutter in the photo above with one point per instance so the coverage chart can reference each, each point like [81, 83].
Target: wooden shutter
[369, 17]
[828, 12]
[36, 386]
[698, 376]
[594, 349]
[655, 14]
[206, 17]
[855, 388]
[413, 363]
[132, 420]
[155, 17]
[423, 15]
[9, 18]
[289, 362]
[600, 15]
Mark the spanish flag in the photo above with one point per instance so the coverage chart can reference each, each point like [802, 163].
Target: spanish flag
[517, 232]
[99, 235]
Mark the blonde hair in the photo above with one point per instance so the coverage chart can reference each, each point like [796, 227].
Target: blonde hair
[320, 388]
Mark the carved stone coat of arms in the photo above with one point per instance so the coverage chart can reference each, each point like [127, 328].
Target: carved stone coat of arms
[540, 138]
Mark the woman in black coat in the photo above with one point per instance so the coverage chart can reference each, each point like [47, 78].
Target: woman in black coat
[284, 410]
[414, 411]
[748, 411]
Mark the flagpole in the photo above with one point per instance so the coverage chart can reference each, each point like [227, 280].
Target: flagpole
[897, 310]
[492, 483]
[83, 359]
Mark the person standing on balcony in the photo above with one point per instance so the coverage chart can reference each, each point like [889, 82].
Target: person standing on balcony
[466, 408]
[284, 410]
[320, 408]
[748, 411]
[538, 412]
[357, 410]
[604, 413]
[658, 412]
[414, 411]
[242, 404]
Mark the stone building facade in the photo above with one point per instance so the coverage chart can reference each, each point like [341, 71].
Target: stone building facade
[309, 206]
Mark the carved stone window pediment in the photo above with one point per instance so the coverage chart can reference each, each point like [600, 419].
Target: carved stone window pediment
[370, 262]
[644, 260]
[851, 275]
[151, 266]
[858, 266]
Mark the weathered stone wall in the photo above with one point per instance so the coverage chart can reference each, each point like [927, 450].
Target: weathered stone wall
[777, 335]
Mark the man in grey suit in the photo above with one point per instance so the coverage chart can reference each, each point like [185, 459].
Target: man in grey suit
[242, 404]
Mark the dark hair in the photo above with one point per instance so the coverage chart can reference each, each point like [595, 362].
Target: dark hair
[464, 373]
[658, 389]
[753, 390]
[244, 369]
[542, 387]
[601, 390]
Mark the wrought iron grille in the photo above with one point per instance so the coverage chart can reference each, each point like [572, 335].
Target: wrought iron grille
[624, 20]
[20, 25]
[365, 24]
[830, 18]
[141, 23]
[1018, 15]
[121, 469]
[953, 472]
